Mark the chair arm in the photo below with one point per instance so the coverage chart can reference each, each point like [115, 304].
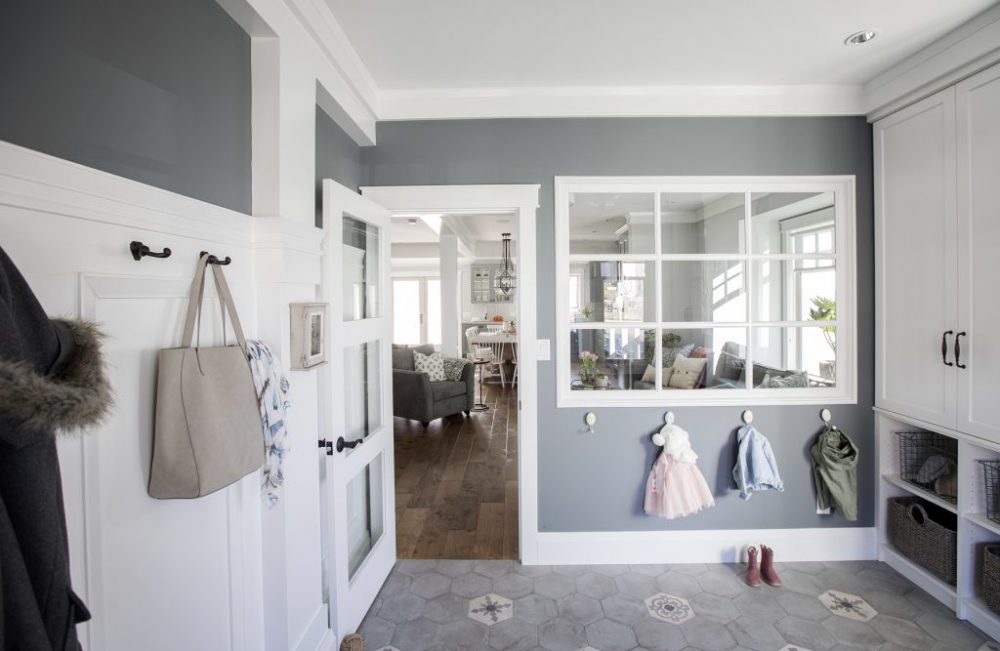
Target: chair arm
[411, 395]
[469, 377]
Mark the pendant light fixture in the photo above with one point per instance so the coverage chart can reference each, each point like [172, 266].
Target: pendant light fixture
[506, 280]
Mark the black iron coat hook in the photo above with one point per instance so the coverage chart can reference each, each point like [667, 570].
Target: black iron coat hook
[140, 250]
[214, 260]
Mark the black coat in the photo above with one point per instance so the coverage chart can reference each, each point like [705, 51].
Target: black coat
[51, 378]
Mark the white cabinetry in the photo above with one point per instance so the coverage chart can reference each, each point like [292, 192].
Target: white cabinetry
[937, 206]
[915, 260]
[978, 119]
[937, 231]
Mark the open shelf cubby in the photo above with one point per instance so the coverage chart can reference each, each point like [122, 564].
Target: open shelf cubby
[975, 529]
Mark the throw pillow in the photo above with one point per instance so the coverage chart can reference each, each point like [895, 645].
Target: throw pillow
[790, 381]
[649, 375]
[730, 367]
[699, 351]
[453, 367]
[432, 365]
[686, 372]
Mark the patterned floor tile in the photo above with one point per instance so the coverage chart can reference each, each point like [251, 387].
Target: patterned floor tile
[847, 605]
[669, 608]
[491, 609]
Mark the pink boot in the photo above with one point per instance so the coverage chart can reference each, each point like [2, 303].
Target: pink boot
[753, 572]
[767, 571]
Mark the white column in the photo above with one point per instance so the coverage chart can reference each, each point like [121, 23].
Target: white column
[450, 297]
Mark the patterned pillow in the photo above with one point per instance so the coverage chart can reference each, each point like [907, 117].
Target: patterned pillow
[453, 367]
[432, 365]
[790, 381]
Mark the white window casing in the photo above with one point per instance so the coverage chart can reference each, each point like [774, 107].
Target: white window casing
[824, 190]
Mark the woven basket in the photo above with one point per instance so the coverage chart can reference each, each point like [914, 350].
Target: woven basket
[991, 577]
[925, 534]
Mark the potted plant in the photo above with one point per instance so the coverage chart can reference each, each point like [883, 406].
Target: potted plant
[588, 367]
[587, 311]
[825, 309]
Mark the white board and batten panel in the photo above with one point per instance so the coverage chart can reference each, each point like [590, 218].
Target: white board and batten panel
[978, 120]
[915, 268]
[156, 574]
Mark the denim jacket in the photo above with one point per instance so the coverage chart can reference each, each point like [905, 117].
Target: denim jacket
[755, 469]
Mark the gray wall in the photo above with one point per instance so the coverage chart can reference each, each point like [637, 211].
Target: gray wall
[158, 92]
[595, 482]
[338, 157]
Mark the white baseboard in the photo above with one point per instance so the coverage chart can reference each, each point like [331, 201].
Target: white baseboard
[719, 546]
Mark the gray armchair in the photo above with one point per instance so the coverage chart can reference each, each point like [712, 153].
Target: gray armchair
[415, 396]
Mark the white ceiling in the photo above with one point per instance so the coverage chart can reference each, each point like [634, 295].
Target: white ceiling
[604, 43]
[480, 228]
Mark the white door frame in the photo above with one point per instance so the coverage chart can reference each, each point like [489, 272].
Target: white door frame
[523, 201]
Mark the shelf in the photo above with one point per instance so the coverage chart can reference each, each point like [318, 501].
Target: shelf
[932, 585]
[979, 615]
[913, 489]
[981, 520]
[947, 431]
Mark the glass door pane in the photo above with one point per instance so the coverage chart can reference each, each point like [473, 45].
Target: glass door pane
[364, 514]
[406, 312]
[362, 390]
[433, 312]
[361, 270]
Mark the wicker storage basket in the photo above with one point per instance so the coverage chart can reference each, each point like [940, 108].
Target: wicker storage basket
[991, 577]
[926, 534]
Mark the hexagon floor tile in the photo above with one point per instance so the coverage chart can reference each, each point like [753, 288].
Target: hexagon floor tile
[847, 605]
[671, 609]
[491, 609]
[502, 605]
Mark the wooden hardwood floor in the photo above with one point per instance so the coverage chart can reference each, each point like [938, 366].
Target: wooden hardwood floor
[456, 483]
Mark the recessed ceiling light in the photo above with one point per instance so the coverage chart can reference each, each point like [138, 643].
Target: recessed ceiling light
[862, 37]
[503, 221]
[412, 221]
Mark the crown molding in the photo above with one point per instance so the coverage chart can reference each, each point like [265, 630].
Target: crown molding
[970, 48]
[618, 101]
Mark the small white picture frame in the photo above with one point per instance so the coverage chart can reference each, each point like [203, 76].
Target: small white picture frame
[308, 332]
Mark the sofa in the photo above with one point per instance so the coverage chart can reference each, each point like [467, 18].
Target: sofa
[415, 396]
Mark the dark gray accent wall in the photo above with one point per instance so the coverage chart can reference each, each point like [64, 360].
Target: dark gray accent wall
[158, 92]
[338, 157]
[594, 482]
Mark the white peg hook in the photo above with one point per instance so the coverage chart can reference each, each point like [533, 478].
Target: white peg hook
[658, 438]
[668, 418]
[747, 416]
[590, 419]
[826, 416]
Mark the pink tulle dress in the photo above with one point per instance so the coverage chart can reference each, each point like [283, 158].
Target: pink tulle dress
[676, 487]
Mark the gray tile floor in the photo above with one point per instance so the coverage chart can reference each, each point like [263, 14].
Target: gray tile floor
[473, 605]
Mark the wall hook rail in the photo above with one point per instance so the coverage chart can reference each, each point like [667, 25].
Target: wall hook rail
[140, 251]
[214, 260]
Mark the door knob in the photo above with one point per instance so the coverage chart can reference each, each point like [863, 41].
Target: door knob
[342, 444]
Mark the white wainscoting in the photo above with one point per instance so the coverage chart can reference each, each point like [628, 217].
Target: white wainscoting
[170, 574]
[721, 546]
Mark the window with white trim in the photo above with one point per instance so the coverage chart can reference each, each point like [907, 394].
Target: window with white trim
[692, 290]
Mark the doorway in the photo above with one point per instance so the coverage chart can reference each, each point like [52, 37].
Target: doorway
[467, 486]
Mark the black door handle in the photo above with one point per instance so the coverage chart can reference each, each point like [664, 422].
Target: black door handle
[958, 350]
[944, 347]
[342, 444]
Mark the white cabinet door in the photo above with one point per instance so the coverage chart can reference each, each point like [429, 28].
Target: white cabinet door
[978, 114]
[915, 214]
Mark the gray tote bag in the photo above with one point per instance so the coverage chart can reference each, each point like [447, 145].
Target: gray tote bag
[208, 432]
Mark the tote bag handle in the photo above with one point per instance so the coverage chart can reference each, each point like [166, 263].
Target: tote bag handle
[198, 295]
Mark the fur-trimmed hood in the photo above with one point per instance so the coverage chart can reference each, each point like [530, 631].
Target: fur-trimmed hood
[77, 395]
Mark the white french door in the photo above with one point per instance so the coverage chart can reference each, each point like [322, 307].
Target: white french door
[356, 407]
[416, 311]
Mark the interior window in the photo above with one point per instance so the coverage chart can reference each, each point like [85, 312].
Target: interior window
[704, 291]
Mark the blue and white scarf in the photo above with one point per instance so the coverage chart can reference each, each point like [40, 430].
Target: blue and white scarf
[272, 398]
